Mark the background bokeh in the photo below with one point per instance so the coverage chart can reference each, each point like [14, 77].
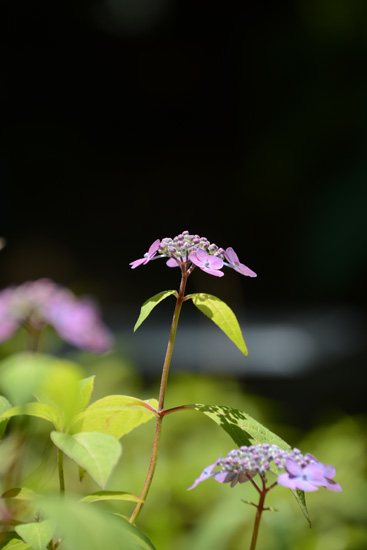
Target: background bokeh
[125, 121]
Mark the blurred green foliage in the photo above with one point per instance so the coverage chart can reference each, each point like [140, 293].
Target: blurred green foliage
[213, 515]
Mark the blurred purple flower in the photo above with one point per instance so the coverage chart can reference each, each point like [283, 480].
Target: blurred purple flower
[35, 304]
[208, 263]
[234, 262]
[147, 256]
[309, 477]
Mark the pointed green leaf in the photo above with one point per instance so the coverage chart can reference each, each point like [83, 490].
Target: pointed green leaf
[40, 410]
[37, 534]
[96, 453]
[150, 304]
[221, 315]
[85, 527]
[110, 495]
[116, 415]
[4, 406]
[12, 541]
[19, 493]
[85, 392]
[245, 430]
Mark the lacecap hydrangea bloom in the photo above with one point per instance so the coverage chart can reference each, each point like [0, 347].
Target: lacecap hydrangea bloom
[35, 304]
[296, 471]
[189, 251]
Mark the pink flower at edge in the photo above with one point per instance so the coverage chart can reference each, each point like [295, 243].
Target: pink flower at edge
[234, 262]
[207, 262]
[153, 249]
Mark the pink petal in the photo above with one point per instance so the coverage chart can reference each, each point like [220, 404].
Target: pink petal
[231, 256]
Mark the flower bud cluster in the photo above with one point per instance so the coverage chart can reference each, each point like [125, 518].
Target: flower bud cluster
[257, 459]
[184, 244]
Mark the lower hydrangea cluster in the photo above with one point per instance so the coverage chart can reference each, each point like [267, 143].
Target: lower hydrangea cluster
[35, 304]
[296, 471]
[187, 251]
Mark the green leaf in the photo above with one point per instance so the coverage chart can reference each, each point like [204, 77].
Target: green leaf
[19, 493]
[96, 453]
[37, 534]
[221, 315]
[40, 410]
[11, 541]
[116, 415]
[4, 406]
[110, 495]
[150, 304]
[85, 527]
[245, 430]
[85, 392]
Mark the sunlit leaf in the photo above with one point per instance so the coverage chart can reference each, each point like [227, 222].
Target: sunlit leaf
[245, 430]
[222, 316]
[40, 410]
[110, 495]
[37, 534]
[96, 453]
[116, 415]
[85, 392]
[150, 304]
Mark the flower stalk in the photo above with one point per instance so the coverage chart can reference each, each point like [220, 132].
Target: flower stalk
[162, 394]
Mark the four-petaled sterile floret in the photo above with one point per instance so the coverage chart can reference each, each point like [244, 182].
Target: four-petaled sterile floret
[303, 472]
[187, 251]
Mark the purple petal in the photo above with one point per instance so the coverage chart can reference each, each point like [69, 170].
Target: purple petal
[244, 270]
[172, 262]
[293, 467]
[214, 272]
[295, 483]
[136, 263]
[206, 474]
[154, 247]
[231, 256]
[333, 486]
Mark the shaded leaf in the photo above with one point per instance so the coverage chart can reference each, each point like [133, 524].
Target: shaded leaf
[96, 453]
[85, 392]
[116, 415]
[150, 304]
[19, 493]
[4, 406]
[222, 316]
[12, 541]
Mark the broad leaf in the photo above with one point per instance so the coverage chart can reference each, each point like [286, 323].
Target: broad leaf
[40, 410]
[222, 316]
[110, 495]
[4, 406]
[12, 541]
[37, 534]
[85, 527]
[96, 453]
[116, 415]
[19, 493]
[150, 304]
[245, 430]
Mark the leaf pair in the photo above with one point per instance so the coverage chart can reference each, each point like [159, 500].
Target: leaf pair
[211, 306]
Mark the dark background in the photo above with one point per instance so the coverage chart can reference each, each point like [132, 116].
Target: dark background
[125, 121]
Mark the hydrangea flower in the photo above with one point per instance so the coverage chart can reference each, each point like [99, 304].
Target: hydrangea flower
[35, 304]
[188, 251]
[303, 472]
